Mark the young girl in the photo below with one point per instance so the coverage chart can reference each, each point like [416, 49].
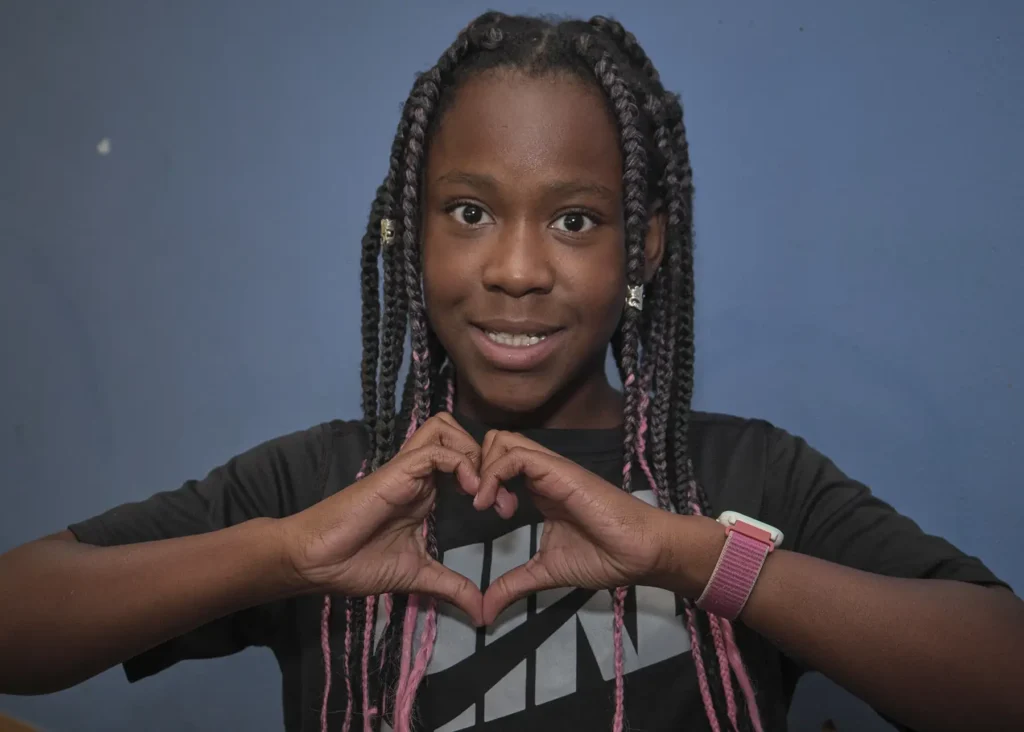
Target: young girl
[418, 569]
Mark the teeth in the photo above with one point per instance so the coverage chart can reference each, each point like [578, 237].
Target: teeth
[515, 339]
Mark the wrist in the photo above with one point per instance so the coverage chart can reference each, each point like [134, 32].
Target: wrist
[275, 536]
[691, 546]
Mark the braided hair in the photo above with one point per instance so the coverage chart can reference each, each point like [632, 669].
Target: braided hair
[653, 347]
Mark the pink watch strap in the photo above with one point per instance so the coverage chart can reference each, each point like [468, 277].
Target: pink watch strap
[735, 574]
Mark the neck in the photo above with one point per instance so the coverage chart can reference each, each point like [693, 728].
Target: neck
[588, 402]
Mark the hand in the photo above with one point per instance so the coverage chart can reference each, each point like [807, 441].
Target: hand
[594, 536]
[368, 539]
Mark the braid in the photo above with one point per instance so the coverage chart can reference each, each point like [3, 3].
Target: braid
[634, 179]
[393, 319]
[627, 44]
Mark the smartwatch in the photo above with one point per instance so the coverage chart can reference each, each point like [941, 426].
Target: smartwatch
[748, 543]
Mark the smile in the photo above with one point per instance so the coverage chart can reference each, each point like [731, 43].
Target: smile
[516, 346]
[516, 340]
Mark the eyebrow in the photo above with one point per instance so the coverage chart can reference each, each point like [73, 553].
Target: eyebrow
[561, 187]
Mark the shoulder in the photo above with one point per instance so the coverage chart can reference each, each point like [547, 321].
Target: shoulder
[717, 438]
[737, 459]
[734, 438]
[278, 477]
[315, 446]
[312, 463]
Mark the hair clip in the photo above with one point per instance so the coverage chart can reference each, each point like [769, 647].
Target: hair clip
[635, 297]
[387, 231]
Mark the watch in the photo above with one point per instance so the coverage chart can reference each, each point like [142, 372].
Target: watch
[748, 543]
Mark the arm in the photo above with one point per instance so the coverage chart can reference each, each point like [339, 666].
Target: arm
[169, 573]
[72, 610]
[933, 654]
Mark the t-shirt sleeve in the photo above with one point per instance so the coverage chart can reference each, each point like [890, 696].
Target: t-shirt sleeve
[278, 478]
[825, 514]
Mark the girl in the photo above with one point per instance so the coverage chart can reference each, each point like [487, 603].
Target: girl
[421, 569]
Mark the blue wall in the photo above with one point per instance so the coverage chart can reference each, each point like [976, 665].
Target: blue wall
[193, 292]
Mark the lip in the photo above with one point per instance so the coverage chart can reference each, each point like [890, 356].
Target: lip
[516, 327]
[515, 358]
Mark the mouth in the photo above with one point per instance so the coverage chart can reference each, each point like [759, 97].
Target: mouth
[515, 340]
[515, 346]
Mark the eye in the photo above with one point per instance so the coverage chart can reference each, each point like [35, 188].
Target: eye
[575, 222]
[470, 214]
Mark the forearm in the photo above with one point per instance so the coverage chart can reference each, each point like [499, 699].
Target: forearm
[71, 610]
[932, 654]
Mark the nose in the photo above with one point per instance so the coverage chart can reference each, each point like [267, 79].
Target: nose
[519, 262]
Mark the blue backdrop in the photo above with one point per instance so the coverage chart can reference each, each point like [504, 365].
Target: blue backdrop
[183, 186]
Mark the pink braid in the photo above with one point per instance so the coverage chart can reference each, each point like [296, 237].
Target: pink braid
[702, 674]
[411, 612]
[408, 630]
[620, 694]
[736, 661]
[412, 426]
[368, 712]
[325, 646]
[723, 668]
[641, 443]
[427, 637]
[619, 606]
[347, 724]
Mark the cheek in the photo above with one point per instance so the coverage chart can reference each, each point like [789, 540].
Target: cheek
[444, 284]
[434, 296]
[600, 284]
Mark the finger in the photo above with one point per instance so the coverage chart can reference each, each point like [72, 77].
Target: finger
[547, 473]
[443, 429]
[488, 442]
[437, 580]
[403, 477]
[497, 443]
[423, 461]
[506, 503]
[515, 584]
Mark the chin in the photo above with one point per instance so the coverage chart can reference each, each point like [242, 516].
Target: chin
[515, 400]
[513, 395]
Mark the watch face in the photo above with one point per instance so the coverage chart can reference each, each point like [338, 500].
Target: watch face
[731, 518]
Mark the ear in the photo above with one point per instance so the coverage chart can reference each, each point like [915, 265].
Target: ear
[654, 246]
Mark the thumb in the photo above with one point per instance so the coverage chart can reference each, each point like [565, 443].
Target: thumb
[514, 585]
[437, 580]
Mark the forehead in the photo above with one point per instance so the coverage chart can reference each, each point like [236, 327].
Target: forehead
[521, 127]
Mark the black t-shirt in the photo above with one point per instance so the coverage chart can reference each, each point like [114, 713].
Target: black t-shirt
[548, 662]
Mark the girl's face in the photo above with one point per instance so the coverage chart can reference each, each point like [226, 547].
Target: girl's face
[523, 247]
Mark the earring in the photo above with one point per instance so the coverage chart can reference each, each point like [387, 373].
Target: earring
[387, 231]
[635, 297]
